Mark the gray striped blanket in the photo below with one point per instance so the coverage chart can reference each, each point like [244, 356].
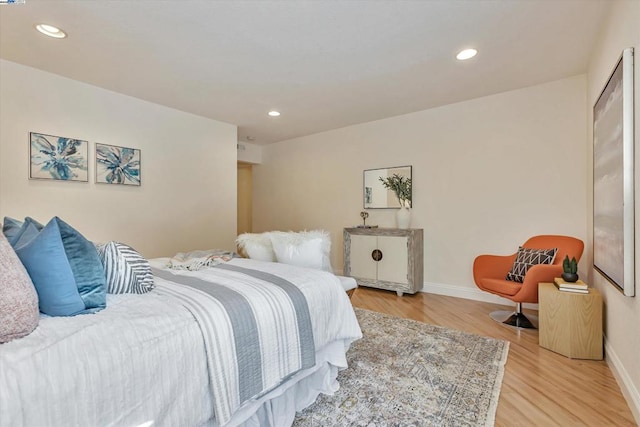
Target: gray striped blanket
[256, 328]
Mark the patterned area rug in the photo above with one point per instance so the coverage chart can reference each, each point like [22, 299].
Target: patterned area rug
[408, 373]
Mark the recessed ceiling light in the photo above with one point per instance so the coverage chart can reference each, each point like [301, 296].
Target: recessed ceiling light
[466, 54]
[51, 31]
[274, 113]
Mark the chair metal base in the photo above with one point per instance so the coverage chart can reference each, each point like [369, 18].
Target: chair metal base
[515, 319]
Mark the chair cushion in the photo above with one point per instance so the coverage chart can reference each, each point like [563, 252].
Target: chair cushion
[501, 287]
[526, 258]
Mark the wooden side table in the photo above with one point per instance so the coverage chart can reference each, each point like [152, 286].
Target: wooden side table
[570, 323]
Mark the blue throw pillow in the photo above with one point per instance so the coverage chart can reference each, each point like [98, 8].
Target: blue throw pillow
[27, 231]
[65, 269]
[10, 228]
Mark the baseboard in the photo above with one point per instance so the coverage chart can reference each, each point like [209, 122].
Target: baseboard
[469, 293]
[629, 390]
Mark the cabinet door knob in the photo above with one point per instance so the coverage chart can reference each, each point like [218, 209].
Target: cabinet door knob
[376, 254]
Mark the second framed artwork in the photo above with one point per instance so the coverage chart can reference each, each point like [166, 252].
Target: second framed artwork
[117, 165]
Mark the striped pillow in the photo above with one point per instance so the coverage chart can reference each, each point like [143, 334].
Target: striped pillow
[127, 271]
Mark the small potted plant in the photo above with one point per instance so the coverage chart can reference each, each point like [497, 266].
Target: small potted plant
[570, 269]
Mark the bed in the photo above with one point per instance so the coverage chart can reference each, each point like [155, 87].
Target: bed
[151, 359]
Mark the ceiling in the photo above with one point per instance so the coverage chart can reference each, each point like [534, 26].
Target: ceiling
[323, 64]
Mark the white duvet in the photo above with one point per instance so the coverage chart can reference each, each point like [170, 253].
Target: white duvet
[141, 361]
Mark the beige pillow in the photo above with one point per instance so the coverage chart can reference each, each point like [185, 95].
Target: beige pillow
[19, 312]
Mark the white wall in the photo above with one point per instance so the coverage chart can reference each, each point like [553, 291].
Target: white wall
[487, 174]
[249, 153]
[188, 195]
[622, 314]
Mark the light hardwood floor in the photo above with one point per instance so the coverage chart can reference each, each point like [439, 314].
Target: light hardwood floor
[540, 388]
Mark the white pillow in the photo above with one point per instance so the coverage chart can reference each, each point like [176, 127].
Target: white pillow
[257, 246]
[309, 249]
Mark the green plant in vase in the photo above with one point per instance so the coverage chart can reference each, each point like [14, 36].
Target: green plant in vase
[570, 269]
[401, 186]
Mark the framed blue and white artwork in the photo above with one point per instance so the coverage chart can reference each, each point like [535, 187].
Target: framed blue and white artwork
[613, 178]
[58, 158]
[117, 165]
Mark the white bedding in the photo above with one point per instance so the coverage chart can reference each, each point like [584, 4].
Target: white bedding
[139, 360]
[142, 359]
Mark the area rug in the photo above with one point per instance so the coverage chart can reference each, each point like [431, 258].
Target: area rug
[408, 373]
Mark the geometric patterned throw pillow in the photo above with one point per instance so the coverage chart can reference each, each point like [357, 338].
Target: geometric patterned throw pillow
[126, 271]
[526, 258]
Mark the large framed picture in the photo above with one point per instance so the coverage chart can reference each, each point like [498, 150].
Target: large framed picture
[117, 165]
[613, 178]
[58, 158]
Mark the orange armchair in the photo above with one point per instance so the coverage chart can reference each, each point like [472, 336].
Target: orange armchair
[490, 272]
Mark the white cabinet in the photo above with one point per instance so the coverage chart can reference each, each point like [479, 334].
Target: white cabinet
[385, 258]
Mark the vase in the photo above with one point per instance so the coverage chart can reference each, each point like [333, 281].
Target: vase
[403, 217]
